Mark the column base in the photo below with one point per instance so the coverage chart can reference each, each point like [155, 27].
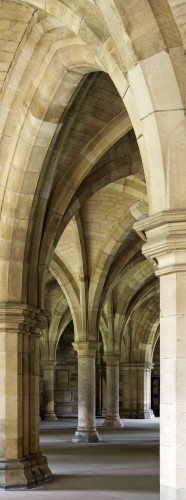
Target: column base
[129, 414]
[134, 414]
[50, 416]
[168, 493]
[145, 414]
[86, 436]
[43, 467]
[35, 469]
[125, 414]
[16, 474]
[112, 422]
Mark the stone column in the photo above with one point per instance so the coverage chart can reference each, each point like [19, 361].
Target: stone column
[25, 391]
[86, 430]
[104, 392]
[99, 390]
[137, 391]
[48, 390]
[165, 235]
[144, 391]
[15, 469]
[126, 391]
[112, 367]
[21, 463]
[134, 390]
[39, 462]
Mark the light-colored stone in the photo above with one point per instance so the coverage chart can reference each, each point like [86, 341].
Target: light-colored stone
[166, 243]
[86, 430]
[48, 378]
[75, 77]
[112, 368]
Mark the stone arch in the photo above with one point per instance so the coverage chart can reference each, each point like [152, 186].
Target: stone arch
[132, 284]
[58, 317]
[25, 177]
[70, 289]
[66, 189]
[135, 68]
[65, 320]
[105, 257]
[148, 289]
[146, 325]
[119, 267]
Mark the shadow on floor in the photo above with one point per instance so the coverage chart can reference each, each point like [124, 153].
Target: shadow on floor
[143, 481]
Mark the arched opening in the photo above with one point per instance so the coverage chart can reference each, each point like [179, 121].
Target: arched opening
[92, 157]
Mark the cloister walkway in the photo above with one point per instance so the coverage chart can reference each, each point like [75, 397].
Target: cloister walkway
[125, 465]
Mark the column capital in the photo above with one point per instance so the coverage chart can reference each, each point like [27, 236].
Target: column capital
[22, 317]
[111, 360]
[86, 348]
[48, 365]
[15, 317]
[164, 234]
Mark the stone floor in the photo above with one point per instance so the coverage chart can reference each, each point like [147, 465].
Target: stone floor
[124, 466]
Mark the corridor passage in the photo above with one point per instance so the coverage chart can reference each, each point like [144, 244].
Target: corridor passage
[125, 465]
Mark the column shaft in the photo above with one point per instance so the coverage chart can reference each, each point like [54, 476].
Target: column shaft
[21, 463]
[86, 431]
[48, 390]
[173, 388]
[144, 391]
[134, 391]
[40, 467]
[126, 392]
[112, 418]
[99, 391]
[15, 470]
[26, 390]
[165, 236]
[137, 391]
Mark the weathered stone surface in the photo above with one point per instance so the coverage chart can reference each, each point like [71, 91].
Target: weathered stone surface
[86, 431]
[92, 138]
[112, 369]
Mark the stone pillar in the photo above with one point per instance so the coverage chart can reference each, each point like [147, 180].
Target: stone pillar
[48, 390]
[15, 469]
[126, 391]
[129, 390]
[25, 393]
[134, 390]
[165, 235]
[39, 462]
[144, 391]
[99, 390]
[137, 390]
[104, 392]
[112, 367]
[86, 430]
[21, 463]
